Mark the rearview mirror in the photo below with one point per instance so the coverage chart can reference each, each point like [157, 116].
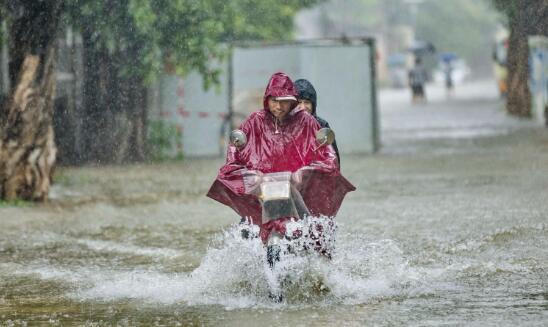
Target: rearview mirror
[325, 136]
[238, 138]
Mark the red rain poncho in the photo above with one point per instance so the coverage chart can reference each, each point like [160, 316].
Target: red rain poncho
[276, 146]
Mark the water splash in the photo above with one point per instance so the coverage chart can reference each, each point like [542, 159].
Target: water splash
[234, 273]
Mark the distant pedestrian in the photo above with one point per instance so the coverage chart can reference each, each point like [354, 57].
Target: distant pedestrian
[448, 75]
[417, 79]
[306, 95]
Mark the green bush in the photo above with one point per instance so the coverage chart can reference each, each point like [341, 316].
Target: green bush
[164, 141]
[15, 203]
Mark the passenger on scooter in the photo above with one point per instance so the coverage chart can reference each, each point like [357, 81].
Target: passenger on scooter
[280, 138]
[306, 96]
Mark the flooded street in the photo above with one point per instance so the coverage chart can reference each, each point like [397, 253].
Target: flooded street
[448, 226]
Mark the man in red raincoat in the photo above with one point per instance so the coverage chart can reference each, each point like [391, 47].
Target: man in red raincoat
[280, 137]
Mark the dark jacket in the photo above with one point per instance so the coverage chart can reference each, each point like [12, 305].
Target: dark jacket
[305, 90]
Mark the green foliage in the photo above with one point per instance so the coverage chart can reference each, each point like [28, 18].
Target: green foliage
[164, 141]
[259, 20]
[509, 8]
[3, 19]
[67, 179]
[187, 33]
[15, 203]
[530, 16]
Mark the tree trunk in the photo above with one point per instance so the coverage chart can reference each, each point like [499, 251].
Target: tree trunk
[27, 147]
[115, 115]
[137, 115]
[519, 97]
[136, 109]
[98, 72]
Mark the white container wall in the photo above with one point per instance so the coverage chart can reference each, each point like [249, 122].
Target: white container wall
[343, 75]
[538, 46]
[197, 114]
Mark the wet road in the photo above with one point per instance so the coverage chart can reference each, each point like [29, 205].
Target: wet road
[448, 227]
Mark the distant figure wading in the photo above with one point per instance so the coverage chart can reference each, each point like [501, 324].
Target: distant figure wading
[417, 79]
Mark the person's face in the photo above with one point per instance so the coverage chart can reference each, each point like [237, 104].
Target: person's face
[306, 105]
[279, 108]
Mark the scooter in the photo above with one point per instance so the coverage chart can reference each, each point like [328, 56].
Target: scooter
[288, 227]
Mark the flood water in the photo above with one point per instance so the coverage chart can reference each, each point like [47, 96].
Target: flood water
[448, 226]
